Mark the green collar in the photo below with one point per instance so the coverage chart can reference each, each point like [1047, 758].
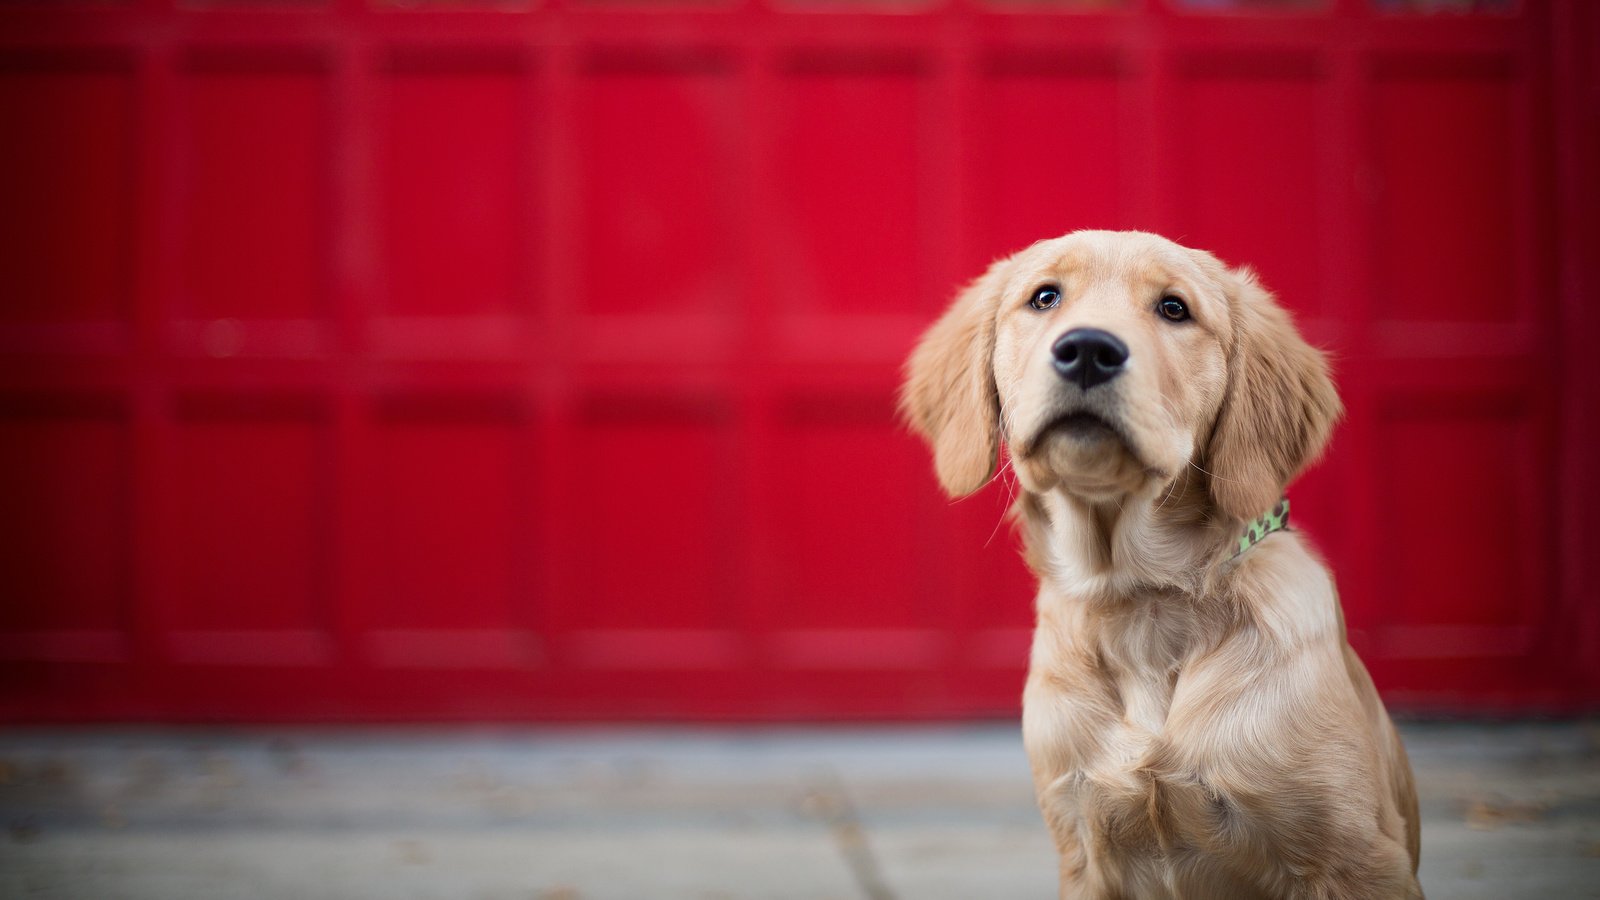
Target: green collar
[1256, 531]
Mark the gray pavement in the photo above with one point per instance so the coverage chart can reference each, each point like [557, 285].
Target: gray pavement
[1510, 810]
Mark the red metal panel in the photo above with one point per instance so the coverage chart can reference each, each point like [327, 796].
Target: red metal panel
[850, 224]
[849, 545]
[1048, 155]
[1445, 142]
[1575, 81]
[66, 179]
[64, 472]
[1252, 144]
[444, 584]
[1470, 605]
[471, 362]
[657, 204]
[250, 537]
[255, 154]
[452, 175]
[654, 544]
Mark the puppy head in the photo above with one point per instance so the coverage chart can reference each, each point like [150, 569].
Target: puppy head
[1109, 362]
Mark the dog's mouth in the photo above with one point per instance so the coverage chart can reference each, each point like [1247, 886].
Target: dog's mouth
[1082, 431]
[1083, 427]
[1085, 452]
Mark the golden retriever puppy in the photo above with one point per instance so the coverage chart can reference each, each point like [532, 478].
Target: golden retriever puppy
[1196, 723]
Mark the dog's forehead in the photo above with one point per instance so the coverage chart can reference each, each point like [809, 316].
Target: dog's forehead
[1128, 257]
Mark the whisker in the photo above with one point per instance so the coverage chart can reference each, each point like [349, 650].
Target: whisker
[1171, 488]
[1214, 475]
[1010, 497]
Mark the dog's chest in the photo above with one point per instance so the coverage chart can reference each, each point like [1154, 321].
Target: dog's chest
[1091, 743]
[1122, 804]
[1109, 779]
[1110, 773]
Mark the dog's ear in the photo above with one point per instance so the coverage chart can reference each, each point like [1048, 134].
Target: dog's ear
[1280, 406]
[949, 393]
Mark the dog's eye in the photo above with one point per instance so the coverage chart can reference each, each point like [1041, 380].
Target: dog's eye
[1173, 309]
[1047, 297]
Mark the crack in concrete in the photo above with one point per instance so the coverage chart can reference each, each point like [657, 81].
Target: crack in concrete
[827, 800]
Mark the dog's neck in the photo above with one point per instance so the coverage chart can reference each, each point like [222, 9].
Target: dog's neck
[1131, 588]
[1164, 538]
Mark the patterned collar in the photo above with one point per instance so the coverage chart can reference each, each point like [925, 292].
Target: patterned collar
[1275, 519]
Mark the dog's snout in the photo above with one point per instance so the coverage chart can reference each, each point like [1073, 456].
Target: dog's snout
[1089, 356]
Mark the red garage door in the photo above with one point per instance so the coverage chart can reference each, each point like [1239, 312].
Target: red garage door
[536, 360]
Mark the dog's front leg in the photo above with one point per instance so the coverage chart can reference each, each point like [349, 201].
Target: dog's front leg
[1091, 865]
[1378, 870]
[1080, 878]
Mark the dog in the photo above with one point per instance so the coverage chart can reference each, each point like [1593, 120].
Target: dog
[1196, 722]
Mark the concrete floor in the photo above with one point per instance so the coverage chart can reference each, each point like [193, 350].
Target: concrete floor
[1510, 810]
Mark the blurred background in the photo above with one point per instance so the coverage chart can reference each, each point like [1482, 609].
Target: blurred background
[367, 361]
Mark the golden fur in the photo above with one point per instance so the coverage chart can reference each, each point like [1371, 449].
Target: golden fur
[1196, 723]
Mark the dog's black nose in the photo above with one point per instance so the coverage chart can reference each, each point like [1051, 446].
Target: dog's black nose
[1089, 356]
